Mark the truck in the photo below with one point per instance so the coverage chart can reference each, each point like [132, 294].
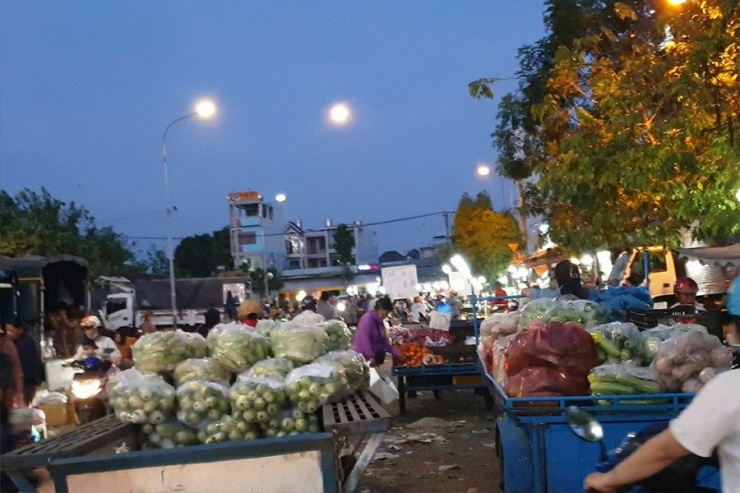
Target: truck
[127, 302]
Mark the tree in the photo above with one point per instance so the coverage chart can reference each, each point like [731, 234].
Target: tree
[156, 261]
[202, 255]
[344, 244]
[34, 223]
[257, 278]
[483, 236]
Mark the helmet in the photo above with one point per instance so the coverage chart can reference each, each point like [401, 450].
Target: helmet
[90, 322]
[308, 303]
[685, 285]
[250, 307]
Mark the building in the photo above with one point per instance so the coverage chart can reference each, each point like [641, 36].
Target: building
[314, 249]
[256, 231]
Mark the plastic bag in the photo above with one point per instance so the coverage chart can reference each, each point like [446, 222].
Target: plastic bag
[201, 402]
[237, 348]
[355, 367]
[291, 422]
[162, 351]
[200, 369]
[583, 312]
[312, 386]
[540, 381]
[271, 368]
[169, 434]
[142, 398]
[682, 358]
[535, 310]
[299, 344]
[498, 359]
[623, 379]
[228, 429]
[340, 337]
[46, 397]
[214, 334]
[257, 399]
[308, 318]
[500, 324]
[264, 327]
[620, 342]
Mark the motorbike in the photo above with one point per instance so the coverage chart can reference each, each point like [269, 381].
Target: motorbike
[688, 474]
[88, 388]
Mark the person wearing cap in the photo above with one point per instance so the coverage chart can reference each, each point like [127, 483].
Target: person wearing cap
[250, 311]
[103, 345]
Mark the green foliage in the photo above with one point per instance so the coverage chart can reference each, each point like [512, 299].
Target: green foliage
[344, 243]
[483, 236]
[202, 255]
[34, 223]
[257, 278]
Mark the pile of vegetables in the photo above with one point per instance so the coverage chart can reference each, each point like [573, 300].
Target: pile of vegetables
[355, 367]
[237, 349]
[200, 369]
[312, 386]
[227, 429]
[264, 327]
[620, 342]
[271, 368]
[257, 399]
[538, 313]
[142, 398]
[292, 422]
[214, 334]
[682, 358]
[167, 435]
[162, 351]
[340, 337]
[623, 379]
[299, 344]
[201, 402]
[413, 354]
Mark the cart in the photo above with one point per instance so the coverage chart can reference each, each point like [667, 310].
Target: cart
[85, 460]
[538, 453]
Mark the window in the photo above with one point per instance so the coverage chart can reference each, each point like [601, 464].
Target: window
[251, 210]
[656, 263]
[248, 238]
[294, 264]
[293, 246]
[314, 263]
[115, 305]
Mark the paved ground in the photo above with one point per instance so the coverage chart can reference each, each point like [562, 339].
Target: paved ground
[450, 450]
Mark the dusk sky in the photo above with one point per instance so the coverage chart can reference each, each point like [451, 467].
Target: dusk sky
[88, 87]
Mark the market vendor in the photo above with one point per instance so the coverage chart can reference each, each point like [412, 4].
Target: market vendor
[371, 338]
[105, 345]
[568, 278]
[250, 311]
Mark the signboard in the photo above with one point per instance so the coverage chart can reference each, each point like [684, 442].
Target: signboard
[400, 282]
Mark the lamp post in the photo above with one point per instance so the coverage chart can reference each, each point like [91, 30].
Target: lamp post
[205, 109]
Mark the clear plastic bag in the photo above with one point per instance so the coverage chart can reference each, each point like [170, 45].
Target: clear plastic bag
[355, 367]
[237, 349]
[620, 342]
[340, 337]
[498, 359]
[142, 398]
[258, 399]
[299, 344]
[291, 422]
[228, 429]
[308, 318]
[162, 351]
[535, 310]
[200, 369]
[264, 327]
[623, 379]
[683, 357]
[583, 312]
[500, 324]
[214, 334]
[312, 386]
[169, 434]
[271, 368]
[201, 402]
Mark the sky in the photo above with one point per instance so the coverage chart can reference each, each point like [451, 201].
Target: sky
[88, 87]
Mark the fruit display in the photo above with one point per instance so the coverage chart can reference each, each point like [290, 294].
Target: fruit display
[355, 367]
[300, 344]
[423, 337]
[413, 354]
[271, 368]
[340, 337]
[200, 369]
[237, 349]
[312, 386]
[142, 398]
[258, 399]
[167, 435]
[201, 403]
[162, 351]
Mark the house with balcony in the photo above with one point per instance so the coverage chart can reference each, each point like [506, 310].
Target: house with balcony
[255, 231]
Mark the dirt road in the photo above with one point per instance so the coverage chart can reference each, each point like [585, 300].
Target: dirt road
[438, 446]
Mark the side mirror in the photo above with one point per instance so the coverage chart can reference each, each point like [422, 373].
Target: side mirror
[586, 427]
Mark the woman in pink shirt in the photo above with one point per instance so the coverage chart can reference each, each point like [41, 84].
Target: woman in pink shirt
[371, 339]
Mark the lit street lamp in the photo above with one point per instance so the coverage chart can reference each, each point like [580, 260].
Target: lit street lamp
[204, 109]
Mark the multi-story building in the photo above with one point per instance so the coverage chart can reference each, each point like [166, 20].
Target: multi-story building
[313, 249]
[256, 231]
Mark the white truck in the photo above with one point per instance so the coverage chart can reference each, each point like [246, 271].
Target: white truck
[126, 302]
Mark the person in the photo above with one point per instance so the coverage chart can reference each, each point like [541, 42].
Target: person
[148, 326]
[230, 306]
[327, 306]
[631, 282]
[13, 395]
[498, 292]
[66, 333]
[250, 311]
[103, 344]
[371, 339]
[308, 303]
[119, 337]
[733, 309]
[212, 318]
[28, 355]
[688, 433]
[455, 304]
[416, 310]
[7, 437]
[685, 290]
[568, 279]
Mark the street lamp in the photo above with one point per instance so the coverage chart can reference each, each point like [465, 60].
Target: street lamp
[483, 170]
[204, 109]
[268, 278]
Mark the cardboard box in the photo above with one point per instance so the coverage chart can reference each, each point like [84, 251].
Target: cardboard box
[56, 414]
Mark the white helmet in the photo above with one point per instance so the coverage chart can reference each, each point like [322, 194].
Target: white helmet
[90, 322]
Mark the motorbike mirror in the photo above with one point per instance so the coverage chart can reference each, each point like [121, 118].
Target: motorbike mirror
[583, 425]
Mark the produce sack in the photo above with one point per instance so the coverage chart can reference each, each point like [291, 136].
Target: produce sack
[291, 422]
[308, 318]
[312, 386]
[200, 369]
[653, 338]
[623, 379]
[620, 342]
[264, 327]
[499, 324]
[257, 399]
[340, 337]
[215, 332]
[142, 398]
[683, 357]
[299, 344]
[201, 402]
[583, 312]
[563, 345]
[169, 434]
[238, 348]
[498, 359]
[272, 367]
[162, 351]
[227, 429]
[540, 381]
[534, 313]
[355, 367]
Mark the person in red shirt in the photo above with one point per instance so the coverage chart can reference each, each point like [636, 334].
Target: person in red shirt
[250, 311]
[499, 304]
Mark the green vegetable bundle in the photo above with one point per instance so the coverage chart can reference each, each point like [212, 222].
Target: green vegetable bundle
[258, 399]
[227, 429]
[265, 327]
[623, 379]
[201, 402]
[354, 364]
[340, 337]
[238, 348]
[200, 369]
[214, 334]
[162, 351]
[142, 398]
[299, 344]
[619, 342]
[312, 386]
[291, 422]
[271, 368]
[167, 435]
[535, 310]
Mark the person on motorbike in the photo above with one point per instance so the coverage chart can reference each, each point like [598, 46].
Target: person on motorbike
[105, 345]
[685, 290]
[709, 423]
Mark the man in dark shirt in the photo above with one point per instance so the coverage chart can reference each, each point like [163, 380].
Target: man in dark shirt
[29, 356]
